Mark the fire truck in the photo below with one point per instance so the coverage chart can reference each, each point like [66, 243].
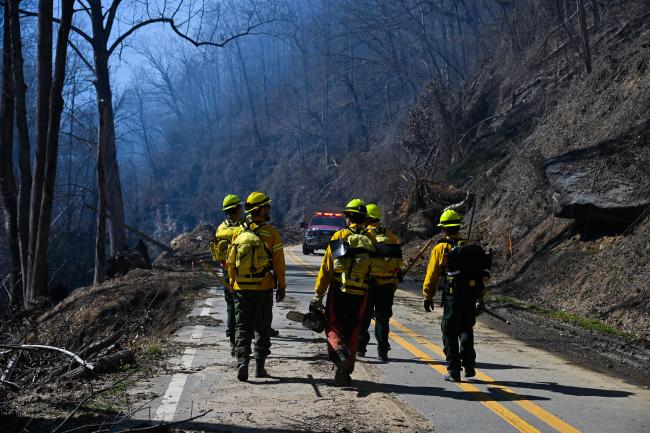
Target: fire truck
[321, 227]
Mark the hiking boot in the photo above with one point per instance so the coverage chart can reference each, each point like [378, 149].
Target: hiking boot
[260, 371]
[470, 372]
[383, 356]
[274, 333]
[242, 371]
[342, 377]
[453, 376]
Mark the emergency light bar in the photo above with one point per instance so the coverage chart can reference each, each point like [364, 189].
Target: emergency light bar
[334, 214]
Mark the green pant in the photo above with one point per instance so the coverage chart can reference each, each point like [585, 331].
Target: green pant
[458, 320]
[253, 316]
[380, 304]
[230, 309]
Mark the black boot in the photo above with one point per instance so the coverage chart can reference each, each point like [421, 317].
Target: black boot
[382, 355]
[470, 372]
[453, 376]
[242, 370]
[341, 377]
[260, 371]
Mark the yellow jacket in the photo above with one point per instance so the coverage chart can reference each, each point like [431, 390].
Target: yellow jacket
[384, 271]
[227, 223]
[436, 269]
[327, 273]
[271, 238]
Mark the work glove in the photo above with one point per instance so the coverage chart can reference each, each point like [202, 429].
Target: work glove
[480, 307]
[428, 305]
[280, 293]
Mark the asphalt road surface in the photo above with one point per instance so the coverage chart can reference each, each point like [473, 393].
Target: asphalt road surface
[517, 388]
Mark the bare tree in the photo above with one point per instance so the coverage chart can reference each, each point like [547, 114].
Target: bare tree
[8, 190]
[40, 276]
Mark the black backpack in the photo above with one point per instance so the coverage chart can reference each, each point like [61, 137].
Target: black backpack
[466, 262]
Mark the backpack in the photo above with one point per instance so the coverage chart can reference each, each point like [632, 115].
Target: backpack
[249, 256]
[387, 257]
[223, 238]
[352, 261]
[467, 265]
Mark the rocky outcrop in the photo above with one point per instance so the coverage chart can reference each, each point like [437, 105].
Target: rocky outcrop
[604, 183]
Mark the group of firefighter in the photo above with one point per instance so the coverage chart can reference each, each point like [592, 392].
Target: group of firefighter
[358, 277]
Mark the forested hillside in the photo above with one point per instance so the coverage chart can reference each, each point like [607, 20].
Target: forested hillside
[537, 106]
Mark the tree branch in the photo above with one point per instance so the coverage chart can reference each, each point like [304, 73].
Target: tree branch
[81, 56]
[75, 29]
[112, 12]
[174, 27]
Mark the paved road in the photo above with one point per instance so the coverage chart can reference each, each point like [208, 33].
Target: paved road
[517, 388]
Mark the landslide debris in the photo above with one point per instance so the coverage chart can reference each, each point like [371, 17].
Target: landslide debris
[189, 249]
[116, 327]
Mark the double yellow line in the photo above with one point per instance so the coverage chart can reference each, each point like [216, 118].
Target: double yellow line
[485, 399]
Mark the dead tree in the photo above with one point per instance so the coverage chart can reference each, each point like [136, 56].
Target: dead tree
[44, 85]
[24, 149]
[39, 275]
[8, 191]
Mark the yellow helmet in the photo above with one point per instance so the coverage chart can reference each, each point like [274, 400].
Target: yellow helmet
[230, 201]
[374, 211]
[450, 218]
[357, 206]
[256, 200]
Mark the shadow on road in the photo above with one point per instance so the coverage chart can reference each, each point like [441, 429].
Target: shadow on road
[562, 389]
[365, 388]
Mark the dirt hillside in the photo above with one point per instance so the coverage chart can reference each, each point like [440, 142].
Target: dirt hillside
[559, 161]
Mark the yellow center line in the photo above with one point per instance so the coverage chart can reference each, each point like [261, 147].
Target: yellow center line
[484, 398]
[542, 414]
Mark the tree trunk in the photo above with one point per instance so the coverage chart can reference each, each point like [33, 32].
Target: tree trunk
[39, 275]
[106, 139]
[24, 158]
[8, 191]
[100, 249]
[44, 72]
[584, 33]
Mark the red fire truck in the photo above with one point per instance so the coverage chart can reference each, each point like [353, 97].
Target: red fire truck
[321, 227]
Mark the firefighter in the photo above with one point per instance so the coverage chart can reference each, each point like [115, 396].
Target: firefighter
[384, 276]
[462, 300]
[222, 237]
[256, 266]
[344, 276]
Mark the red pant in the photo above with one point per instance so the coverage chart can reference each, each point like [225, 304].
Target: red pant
[344, 317]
